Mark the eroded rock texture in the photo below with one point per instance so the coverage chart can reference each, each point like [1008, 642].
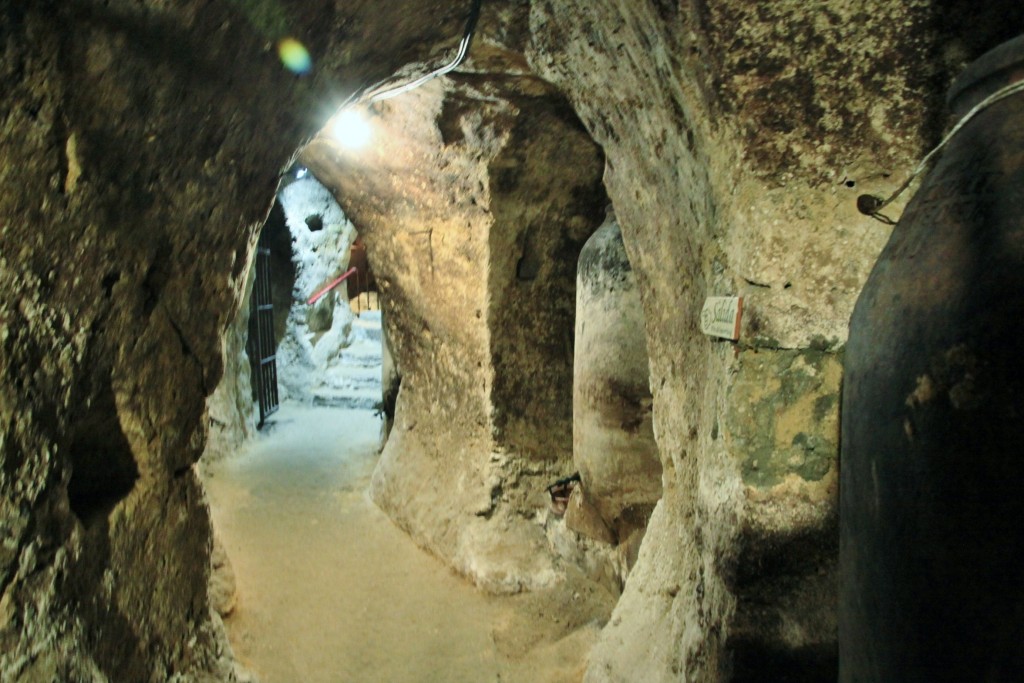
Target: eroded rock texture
[314, 246]
[140, 148]
[706, 113]
[474, 205]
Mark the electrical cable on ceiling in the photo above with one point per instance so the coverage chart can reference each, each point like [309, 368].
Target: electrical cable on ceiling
[378, 92]
[870, 205]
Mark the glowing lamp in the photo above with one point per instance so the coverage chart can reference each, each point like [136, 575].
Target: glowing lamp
[351, 129]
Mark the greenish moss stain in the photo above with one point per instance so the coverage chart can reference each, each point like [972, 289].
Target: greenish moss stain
[770, 388]
[823, 405]
[821, 343]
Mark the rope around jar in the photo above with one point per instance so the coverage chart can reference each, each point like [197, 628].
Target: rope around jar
[870, 205]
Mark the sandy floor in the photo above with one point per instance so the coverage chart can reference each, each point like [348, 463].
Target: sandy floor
[330, 590]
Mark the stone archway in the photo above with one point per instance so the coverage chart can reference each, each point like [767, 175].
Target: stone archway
[475, 207]
[141, 147]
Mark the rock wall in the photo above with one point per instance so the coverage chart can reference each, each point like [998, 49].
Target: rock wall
[140, 149]
[475, 199]
[318, 240]
[431, 268]
[230, 408]
[547, 198]
[737, 137]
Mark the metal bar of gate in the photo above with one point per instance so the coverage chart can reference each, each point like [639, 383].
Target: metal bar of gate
[261, 337]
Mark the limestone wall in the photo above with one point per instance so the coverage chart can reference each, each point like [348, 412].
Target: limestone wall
[414, 203]
[737, 137]
[474, 199]
[314, 335]
[140, 149]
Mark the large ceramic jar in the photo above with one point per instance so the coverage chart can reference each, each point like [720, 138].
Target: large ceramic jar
[613, 433]
[932, 469]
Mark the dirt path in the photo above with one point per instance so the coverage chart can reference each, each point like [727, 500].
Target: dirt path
[329, 590]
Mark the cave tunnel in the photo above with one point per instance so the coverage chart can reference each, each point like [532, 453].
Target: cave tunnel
[547, 195]
[477, 290]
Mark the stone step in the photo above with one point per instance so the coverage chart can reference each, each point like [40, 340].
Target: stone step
[357, 371]
[361, 355]
[366, 383]
[351, 400]
[369, 317]
[367, 326]
[362, 332]
[360, 364]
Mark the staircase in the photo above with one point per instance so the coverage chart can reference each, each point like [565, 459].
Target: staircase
[355, 380]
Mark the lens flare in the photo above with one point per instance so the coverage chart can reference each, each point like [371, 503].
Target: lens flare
[294, 56]
[351, 129]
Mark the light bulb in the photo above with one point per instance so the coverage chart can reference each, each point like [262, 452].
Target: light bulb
[351, 129]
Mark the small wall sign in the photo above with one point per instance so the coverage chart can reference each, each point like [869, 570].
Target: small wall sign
[721, 316]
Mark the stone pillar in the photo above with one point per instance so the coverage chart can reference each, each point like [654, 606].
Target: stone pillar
[613, 436]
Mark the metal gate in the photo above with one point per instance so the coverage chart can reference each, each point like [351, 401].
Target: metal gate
[261, 345]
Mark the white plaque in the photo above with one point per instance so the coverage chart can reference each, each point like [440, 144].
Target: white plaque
[721, 316]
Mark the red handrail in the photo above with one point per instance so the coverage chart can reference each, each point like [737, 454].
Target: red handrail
[319, 295]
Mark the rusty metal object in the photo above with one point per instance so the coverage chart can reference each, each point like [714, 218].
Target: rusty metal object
[560, 491]
[932, 516]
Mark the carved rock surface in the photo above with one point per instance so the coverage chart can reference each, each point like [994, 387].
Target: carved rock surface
[140, 148]
[141, 144]
[734, 155]
[475, 200]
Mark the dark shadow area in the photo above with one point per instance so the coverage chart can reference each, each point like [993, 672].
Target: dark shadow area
[315, 223]
[788, 585]
[103, 469]
[278, 238]
[754, 662]
[970, 29]
[548, 198]
[115, 647]
[787, 554]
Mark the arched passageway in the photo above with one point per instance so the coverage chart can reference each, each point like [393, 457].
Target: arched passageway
[141, 146]
[531, 203]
